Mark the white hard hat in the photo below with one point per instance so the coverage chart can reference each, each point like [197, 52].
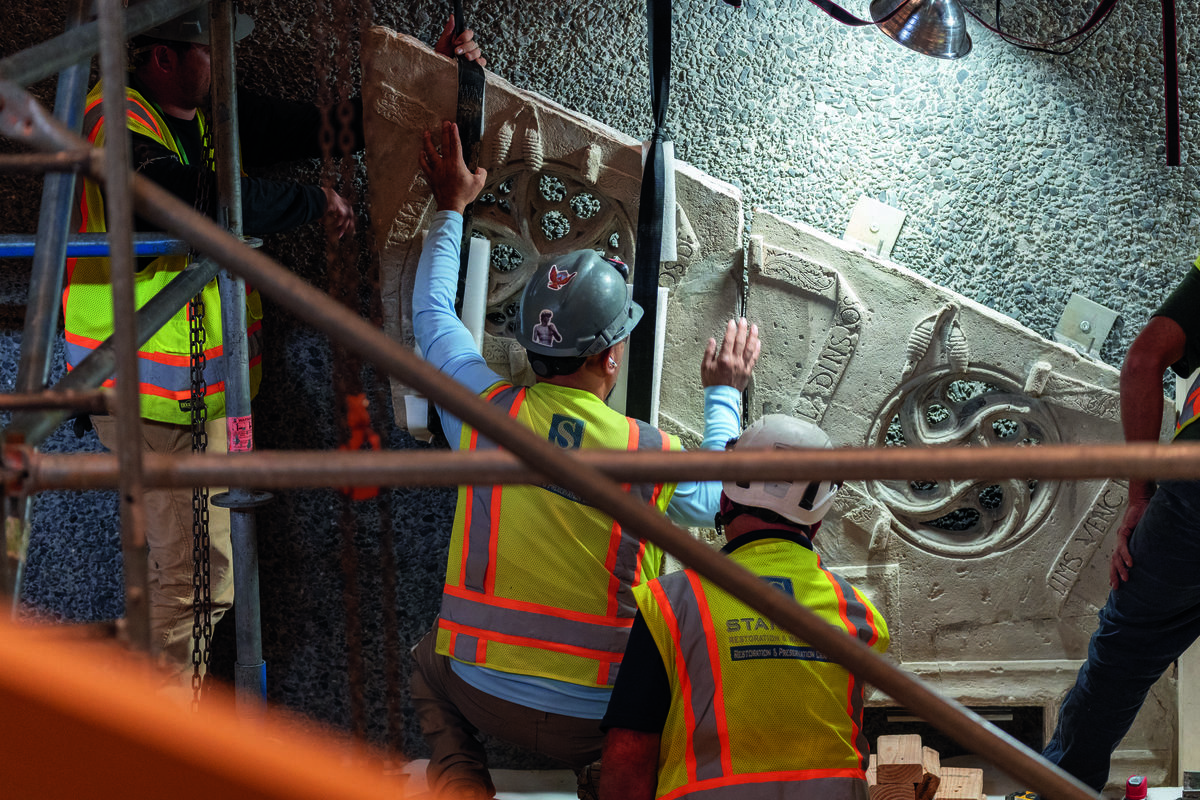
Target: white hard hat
[802, 502]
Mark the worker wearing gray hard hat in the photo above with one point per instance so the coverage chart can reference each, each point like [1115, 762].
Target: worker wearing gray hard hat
[537, 602]
[167, 118]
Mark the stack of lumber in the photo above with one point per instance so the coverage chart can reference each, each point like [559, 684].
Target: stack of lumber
[902, 769]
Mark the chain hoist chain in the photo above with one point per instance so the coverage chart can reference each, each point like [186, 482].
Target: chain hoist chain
[201, 561]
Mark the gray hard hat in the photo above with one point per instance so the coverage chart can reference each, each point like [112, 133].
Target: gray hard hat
[576, 304]
[195, 26]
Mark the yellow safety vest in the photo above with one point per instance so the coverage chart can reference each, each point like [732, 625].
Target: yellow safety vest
[538, 582]
[756, 713]
[164, 362]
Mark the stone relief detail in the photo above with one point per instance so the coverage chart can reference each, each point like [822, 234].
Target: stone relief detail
[977, 407]
[557, 181]
[799, 272]
[943, 324]
[1077, 553]
[830, 366]
[1074, 394]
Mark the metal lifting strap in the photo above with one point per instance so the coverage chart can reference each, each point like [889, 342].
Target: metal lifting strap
[650, 215]
[472, 85]
[1171, 81]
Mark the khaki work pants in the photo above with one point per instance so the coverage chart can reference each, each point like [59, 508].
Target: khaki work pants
[169, 539]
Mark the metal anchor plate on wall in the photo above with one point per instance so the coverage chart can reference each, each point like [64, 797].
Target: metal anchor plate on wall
[1084, 325]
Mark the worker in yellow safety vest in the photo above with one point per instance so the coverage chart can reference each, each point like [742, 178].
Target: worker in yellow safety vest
[716, 701]
[169, 82]
[538, 598]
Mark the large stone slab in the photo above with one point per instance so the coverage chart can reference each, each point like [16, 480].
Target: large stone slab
[990, 587]
[557, 181]
[972, 576]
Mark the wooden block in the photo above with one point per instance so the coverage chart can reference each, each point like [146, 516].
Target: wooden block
[893, 791]
[899, 759]
[871, 781]
[960, 783]
[931, 765]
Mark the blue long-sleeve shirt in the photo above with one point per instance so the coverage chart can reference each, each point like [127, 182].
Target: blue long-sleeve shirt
[447, 344]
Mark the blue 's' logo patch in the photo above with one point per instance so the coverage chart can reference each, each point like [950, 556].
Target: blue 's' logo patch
[566, 432]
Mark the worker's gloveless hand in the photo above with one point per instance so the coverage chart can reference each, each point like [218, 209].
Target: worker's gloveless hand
[339, 216]
[733, 361]
[454, 185]
[465, 45]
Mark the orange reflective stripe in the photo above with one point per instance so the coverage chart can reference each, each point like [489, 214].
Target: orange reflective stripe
[147, 120]
[524, 641]
[798, 780]
[681, 672]
[714, 659]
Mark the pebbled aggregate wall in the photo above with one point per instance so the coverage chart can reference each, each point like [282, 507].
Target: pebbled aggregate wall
[1026, 177]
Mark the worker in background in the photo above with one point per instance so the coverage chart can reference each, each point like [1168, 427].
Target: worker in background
[537, 602]
[1153, 611]
[712, 696]
[168, 93]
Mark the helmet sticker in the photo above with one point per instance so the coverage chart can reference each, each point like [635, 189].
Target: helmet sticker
[559, 278]
[546, 332]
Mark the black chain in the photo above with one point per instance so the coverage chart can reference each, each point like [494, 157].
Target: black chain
[201, 561]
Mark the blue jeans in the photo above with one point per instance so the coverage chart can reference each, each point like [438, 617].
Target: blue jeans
[1147, 624]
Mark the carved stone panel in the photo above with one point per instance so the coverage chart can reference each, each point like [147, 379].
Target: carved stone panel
[557, 181]
[989, 571]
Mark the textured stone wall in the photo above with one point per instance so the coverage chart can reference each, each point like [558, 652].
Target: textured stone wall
[1025, 177]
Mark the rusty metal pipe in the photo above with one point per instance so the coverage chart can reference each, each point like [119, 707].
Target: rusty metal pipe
[54, 55]
[65, 161]
[84, 402]
[41, 472]
[118, 208]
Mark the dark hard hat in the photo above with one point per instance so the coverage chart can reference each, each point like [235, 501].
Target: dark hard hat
[588, 303]
[195, 26]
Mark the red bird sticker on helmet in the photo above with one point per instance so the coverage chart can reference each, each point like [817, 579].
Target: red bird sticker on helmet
[559, 277]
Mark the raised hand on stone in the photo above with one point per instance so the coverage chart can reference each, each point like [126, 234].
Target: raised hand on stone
[454, 185]
[733, 361]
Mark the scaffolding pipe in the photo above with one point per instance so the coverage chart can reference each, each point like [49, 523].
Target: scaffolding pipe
[66, 161]
[33, 472]
[99, 365]
[54, 55]
[561, 467]
[79, 402]
[118, 209]
[46, 277]
[250, 671]
[92, 245]
[54, 223]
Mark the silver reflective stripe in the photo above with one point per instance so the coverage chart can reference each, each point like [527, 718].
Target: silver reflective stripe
[164, 376]
[701, 672]
[533, 625]
[813, 789]
[856, 611]
[479, 532]
[465, 648]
